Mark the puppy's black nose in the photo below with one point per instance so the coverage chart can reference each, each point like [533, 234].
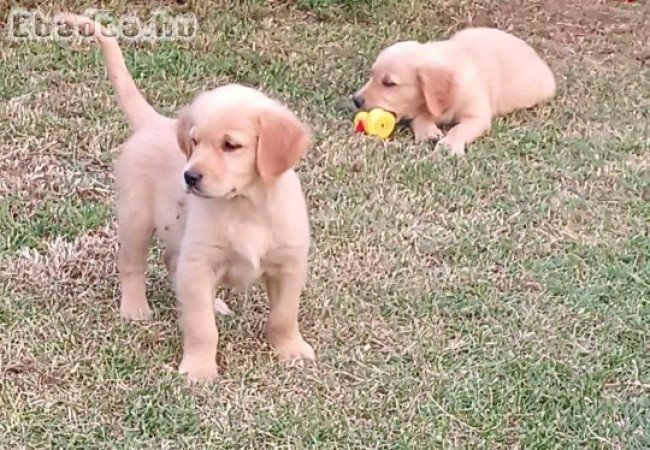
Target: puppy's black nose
[358, 101]
[192, 178]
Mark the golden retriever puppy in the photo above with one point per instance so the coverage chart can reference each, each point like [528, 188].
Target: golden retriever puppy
[217, 186]
[464, 81]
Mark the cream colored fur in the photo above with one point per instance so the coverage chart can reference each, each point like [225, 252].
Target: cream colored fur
[465, 81]
[244, 219]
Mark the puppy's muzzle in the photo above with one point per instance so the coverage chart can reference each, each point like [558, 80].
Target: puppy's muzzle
[192, 178]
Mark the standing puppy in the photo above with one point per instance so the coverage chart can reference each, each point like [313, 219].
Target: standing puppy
[467, 80]
[217, 186]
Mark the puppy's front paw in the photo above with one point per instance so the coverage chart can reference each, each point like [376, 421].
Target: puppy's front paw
[426, 131]
[198, 370]
[294, 349]
[137, 311]
[454, 148]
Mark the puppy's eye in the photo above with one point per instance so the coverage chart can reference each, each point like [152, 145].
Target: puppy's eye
[388, 83]
[229, 146]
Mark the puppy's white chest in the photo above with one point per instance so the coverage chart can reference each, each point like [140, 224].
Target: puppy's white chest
[243, 249]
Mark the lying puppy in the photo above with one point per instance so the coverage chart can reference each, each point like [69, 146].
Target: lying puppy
[467, 80]
[244, 217]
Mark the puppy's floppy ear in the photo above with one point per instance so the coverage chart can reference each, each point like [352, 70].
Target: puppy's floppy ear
[282, 141]
[183, 127]
[438, 87]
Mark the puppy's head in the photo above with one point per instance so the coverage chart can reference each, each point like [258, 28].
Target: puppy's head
[235, 138]
[405, 82]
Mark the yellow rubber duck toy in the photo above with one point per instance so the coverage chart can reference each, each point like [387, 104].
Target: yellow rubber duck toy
[376, 122]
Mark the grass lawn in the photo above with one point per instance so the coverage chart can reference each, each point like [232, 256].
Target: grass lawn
[496, 301]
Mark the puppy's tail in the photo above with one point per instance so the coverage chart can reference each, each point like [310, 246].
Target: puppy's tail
[135, 107]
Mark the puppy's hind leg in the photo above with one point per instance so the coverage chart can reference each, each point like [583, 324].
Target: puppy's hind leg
[171, 261]
[135, 229]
